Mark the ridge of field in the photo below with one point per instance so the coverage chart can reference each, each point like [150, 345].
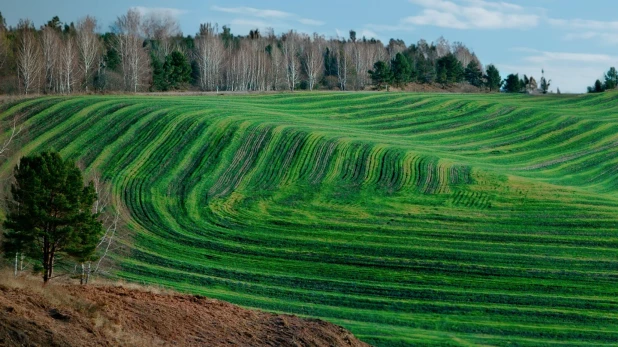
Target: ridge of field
[427, 219]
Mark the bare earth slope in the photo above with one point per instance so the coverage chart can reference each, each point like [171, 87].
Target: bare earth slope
[95, 316]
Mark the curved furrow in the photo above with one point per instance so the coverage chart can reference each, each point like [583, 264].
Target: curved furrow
[485, 218]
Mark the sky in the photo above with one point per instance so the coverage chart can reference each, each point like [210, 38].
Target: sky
[574, 42]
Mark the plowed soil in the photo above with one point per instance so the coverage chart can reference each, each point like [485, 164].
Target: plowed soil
[71, 315]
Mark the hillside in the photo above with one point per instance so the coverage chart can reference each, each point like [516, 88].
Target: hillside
[134, 316]
[406, 218]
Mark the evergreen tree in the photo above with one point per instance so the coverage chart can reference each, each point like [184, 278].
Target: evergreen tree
[402, 71]
[493, 80]
[598, 87]
[449, 70]
[426, 70]
[158, 74]
[172, 74]
[473, 74]
[50, 213]
[177, 70]
[512, 84]
[611, 79]
[545, 84]
[2, 22]
[381, 74]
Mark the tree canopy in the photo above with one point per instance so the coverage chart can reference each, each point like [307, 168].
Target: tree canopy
[492, 78]
[473, 74]
[402, 71]
[381, 74]
[512, 84]
[50, 212]
[449, 70]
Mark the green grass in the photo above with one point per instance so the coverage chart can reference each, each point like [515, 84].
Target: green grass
[407, 218]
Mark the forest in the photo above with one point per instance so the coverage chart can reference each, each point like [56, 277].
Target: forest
[148, 52]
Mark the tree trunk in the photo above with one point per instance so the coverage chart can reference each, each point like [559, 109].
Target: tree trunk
[88, 273]
[83, 276]
[45, 261]
[48, 260]
[16, 255]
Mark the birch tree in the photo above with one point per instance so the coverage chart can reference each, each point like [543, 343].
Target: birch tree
[209, 53]
[29, 61]
[289, 48]
[133, 56]
[313, 59]
[50, 44]
[89, 47]
[344, 54]
[68, 65]
[109, 218]
[161, 26]
[4, 147]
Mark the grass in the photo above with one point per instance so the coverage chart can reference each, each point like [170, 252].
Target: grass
[407, 218]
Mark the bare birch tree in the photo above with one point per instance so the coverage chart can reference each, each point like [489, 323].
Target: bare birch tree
[4, 147]
[134, 58]
[394, 47]
[443, 47]
[89, 47]
[289, 48]
[209, 53]
[68, 65]
[50, 44]
[462, 53]
[161, 26]
[29, 61]
[313, 59]
[110, 219]
[344, 54]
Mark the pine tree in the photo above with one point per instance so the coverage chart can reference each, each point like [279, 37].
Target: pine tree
[177, 70]
[611, 79]
[449, 70]
[51, 212]
[512, 84]
[493, 80]
[473, 74]
[381, 74]
[402, 71]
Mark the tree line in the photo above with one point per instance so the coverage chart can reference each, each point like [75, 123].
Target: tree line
[148, 52]
[610, 82]
[411, 65]
[514, 84]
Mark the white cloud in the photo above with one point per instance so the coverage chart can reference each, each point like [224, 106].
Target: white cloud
[174, 12]
[472, 14]
[254, 12]
[583, 29]
[607, 38]
[277, 18]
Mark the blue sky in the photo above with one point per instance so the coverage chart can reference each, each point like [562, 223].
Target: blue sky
[575, 42]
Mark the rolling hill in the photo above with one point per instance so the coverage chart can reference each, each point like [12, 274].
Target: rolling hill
[406, 218]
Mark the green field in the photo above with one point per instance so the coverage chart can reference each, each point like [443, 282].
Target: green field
[408, 218]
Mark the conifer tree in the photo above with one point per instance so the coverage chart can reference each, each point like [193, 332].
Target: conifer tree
[51, 212]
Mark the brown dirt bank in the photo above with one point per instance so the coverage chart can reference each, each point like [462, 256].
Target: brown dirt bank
[71, 315]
